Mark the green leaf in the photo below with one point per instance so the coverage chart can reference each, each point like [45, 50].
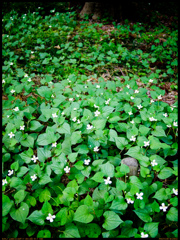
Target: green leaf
[119, 203]
[47, 138]
[44, 179]
[44, 234]
[45, 195]
[64, 129]
[122, 170]
[112, 220]
[99, 124]
[37, 217]
[107, 169]
[143, 214]
[92, 230]
[75, 137]
[19, 196]
[28, 142]
[88, 201]
[127, 230]
[98, 177]
[113, 135]
[135, 152]
[151, 228]
[72, 157]
[71, 231]
[162, 194]
[43, 154]
[46, 208]
[36, 126]
[165, 173]
[158, 132]
[120, 185]
[21, 213]
[61, 216]
[172, 214]
[144, 130]
[6, 205]
[82, 214]
[22, 171]
[27, 155]
[121, 142]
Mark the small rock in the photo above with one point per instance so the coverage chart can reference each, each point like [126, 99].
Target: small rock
[132, 163]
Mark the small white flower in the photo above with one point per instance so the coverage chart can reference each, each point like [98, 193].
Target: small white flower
[34, 177]
[96, 106]
[139, 106]
[168, 126]
[143, 235]
[50, 26]
[153, 163]
[139, 195]
[50, 217]
[132, 121]
[152, 119]
[107, 181]
[22, 127]
[165, 115]
[172, 108]
[129, 201]
[71, 99]
[34, 158]
[78, 121]
[136, 91]
[89, 127]
[151, 80]
[10, 172]
[163, 207]
[130, 113]
[3, 81]
[133, 138]
[107, 102]
[11, 134]
[127, 93]
[151, 101]
[54, 144]
[132, 97]
[175, 124]
[25, 75]
[32, 52]
[97, 86]
[52, 96]
[159, 97]
[29, 80]
[4, 181]
[74, 109]
[77, 95]
[86, 162]
[85, 86]
[175, 191]
[146, 143]
[54, 115]
[12, 91]
[102, 93]
[67, 169]
[74, 119]
[96, 113]
[8, 116]
[11, 63]
[96, 149]
[127, 86]
[62, 113]
[16, 109]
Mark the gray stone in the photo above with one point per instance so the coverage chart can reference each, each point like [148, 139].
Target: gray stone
[133, 165]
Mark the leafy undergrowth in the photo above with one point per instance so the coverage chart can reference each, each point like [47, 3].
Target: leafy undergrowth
[78, 97]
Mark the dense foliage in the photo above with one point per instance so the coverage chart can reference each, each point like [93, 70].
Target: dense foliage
[78, 97]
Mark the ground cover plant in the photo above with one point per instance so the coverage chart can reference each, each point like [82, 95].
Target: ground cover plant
[78, 97]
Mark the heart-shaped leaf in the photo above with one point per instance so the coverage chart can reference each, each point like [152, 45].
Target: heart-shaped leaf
[21, 213]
